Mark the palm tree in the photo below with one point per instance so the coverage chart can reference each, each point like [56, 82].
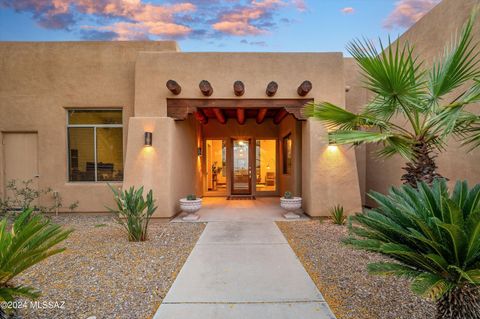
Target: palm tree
[30, 240]
[410, 113]
[433, 239]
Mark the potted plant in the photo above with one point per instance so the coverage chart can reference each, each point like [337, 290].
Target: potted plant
[190, 205]
[291, 204]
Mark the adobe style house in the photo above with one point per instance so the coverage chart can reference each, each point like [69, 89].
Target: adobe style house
[76, 115]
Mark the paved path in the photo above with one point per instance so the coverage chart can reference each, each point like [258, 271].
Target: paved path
[243, 270]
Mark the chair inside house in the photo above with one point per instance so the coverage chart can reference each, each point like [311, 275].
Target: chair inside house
[270, 179]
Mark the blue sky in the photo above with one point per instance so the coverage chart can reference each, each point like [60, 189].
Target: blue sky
[212, 25]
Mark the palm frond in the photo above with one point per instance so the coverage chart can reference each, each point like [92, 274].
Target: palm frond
[341, 137]
[393, 73]
[457, 65]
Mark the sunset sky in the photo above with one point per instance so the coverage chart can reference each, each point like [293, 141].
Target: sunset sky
[212, 25]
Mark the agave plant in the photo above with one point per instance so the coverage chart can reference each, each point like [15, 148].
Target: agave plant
[411, 112]
[133, 211]
[433, 238]
[28, 241]
[338, 215]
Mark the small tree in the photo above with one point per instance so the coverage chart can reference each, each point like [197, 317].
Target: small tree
[410, 113]
[433, 238]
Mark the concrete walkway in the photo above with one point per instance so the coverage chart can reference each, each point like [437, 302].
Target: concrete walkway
[243, 270]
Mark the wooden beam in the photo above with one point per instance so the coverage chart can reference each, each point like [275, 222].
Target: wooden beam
[219, 115]
[239, 88]
[261, 115]
[241, 116]
[304, 88]
[174, 87]
[272, 88]
[200, 116]
[280, 116]
[205, 87]
[237, 103]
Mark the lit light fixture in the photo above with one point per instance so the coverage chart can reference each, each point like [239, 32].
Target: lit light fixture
[332, 148]
[268, 165]
[148, 138]
[199, 151]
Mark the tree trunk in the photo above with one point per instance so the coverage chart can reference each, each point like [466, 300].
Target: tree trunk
[460, 303]
[422, 167]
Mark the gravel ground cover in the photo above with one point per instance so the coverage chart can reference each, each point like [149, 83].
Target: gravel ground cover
[340, 274]
[101, 274]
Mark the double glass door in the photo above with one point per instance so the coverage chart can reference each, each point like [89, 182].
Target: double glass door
[241, 166]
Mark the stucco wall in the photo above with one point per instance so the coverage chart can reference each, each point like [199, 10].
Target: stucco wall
[38, 80]
[291, 182]
[256, 70]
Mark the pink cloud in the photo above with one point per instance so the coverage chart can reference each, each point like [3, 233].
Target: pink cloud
[239, 21]
[407, 12]
[348, 10]
[300, 5]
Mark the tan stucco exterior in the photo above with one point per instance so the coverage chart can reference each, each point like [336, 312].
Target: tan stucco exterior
[322, 187]
[39, 82]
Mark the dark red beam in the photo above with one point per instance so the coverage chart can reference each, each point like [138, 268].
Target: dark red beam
[219, 115]
[200, 116]
[261, 115]
[241, 116]
[280, 116]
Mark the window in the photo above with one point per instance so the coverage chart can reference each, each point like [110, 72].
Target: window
[287, 154]
[266, 165]
[95, 145]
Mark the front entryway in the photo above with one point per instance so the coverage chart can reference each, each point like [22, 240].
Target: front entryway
[241, 166]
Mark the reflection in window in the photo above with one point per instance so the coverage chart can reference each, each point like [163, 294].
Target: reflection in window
[287, 154]
[216, 161]
[95, 145]
[266, 165]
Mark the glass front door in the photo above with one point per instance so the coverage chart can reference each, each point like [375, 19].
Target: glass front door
[242, 171]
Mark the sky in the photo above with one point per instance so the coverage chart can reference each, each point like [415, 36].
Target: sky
[213, 25]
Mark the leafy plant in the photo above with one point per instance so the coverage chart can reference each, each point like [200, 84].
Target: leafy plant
[433, 238]
[30, 240]
[288, 195]
[133, 211]
[406, 91]
[25, 195]
[73, 206]
[191, 197]
[338, 215]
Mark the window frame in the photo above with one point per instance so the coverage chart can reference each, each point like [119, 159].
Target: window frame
[94, 126]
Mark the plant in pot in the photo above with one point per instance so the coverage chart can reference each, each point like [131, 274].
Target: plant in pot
[291, 204]
[190, 205]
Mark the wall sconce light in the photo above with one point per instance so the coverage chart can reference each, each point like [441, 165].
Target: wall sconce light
[332, 148]
[199, 151]
[148, 138]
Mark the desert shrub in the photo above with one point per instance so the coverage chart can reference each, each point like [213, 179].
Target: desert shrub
[133, 211]
[338, 215]
[25, 196]
[433, 238]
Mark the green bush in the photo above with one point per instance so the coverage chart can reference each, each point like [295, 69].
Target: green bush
[133, 211]
[28, 241]
[24, 195]
[338, 215]
[433, 236]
